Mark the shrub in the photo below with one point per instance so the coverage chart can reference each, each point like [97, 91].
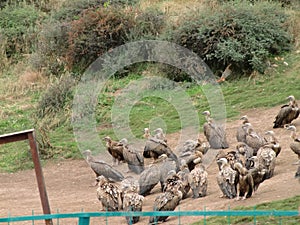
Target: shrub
[18, 28]
[56, 98]
[236, 33]
[99, 30]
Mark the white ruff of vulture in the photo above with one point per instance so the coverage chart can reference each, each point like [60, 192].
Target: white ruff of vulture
[287, 113]
[198, 181]
[102, 168]
[295, 146]
[115, 149]
[132, 201]
[132, 157]
[242, 130]
[109, 195]
[214, 133]
[274, 140]
[253, 139]
[166, 201]
[245, 185]
[227, 179]
[267, 159]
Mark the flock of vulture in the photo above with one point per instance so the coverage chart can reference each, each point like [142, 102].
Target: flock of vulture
[241, 170]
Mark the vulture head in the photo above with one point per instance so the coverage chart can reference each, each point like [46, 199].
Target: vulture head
[291, 98]
[244, 118]
[292, 128]
[101, 180]
[107, 139]
[124, 141]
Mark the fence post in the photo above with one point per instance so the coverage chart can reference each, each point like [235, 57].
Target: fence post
[204, 219]
[84, 220]
[254, 217]
[228, 218]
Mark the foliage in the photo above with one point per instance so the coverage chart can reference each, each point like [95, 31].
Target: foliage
[18, 29]
[104, 28]
[56, 98]
[236, 33]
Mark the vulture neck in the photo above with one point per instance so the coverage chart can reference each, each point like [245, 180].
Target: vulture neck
[208, 119]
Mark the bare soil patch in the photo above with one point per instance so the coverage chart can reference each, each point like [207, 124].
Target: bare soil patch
[68, 183]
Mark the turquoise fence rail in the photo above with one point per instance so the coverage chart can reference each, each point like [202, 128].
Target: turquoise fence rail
[84, 217]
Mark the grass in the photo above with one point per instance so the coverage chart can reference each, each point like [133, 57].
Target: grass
[286, 204]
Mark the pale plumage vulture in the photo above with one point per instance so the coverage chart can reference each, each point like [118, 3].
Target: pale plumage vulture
[242, 130]
[173, 181]
[253, 139]
[295, 146]
[227, 179]
[274, 140]
[166, 201]
[183, 175]
[198, 181]
[287, 113]
[245, 184]
[115, 149]
[267, 159]
[109, 195]
[214, 133]
[132, 157]
[102, 168]
[132, 201]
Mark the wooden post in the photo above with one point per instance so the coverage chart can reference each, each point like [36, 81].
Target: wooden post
[29, 134]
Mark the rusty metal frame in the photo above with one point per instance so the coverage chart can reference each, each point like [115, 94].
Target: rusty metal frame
[30, 135]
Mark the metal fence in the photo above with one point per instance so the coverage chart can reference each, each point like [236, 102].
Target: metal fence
[83, 218]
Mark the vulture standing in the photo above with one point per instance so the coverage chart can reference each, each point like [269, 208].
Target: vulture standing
[155, 147]
[295, 146]
[156, 173]
[227, 179]
[132, 201]
[198, 181]
[245, 183]
[132, 157]
[115, 149]
[274, 140]
[267, 159]
[166, 201]
[109, 195]
[173, 181]
[253, 139]
[241, 131]
[214, 133]
[287, 113]
[102, 168]
[183, 175]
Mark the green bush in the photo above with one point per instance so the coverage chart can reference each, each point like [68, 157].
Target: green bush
[236, 33]
[18, 28]
[104, 28]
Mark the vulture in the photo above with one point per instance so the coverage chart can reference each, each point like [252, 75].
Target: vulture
[258, 174]
[198, 181]
[166, 201]
[132, 157]
[115, 149]
[102, 168]
[132, 201]
[245, 184]
[109, 195]
[155, 147]
[192, 146]
[214, 133]
[266, 159]
[287, 113]
[227, 179]
[295, 145]
[253, 139]
[173, 181]
[241, 131]
[191, 159]
[156, 173]
[183, 175]
[274, 140]
[159, 134]
[243, 149]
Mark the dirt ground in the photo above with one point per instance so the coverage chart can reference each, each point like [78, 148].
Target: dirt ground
[68, 183]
